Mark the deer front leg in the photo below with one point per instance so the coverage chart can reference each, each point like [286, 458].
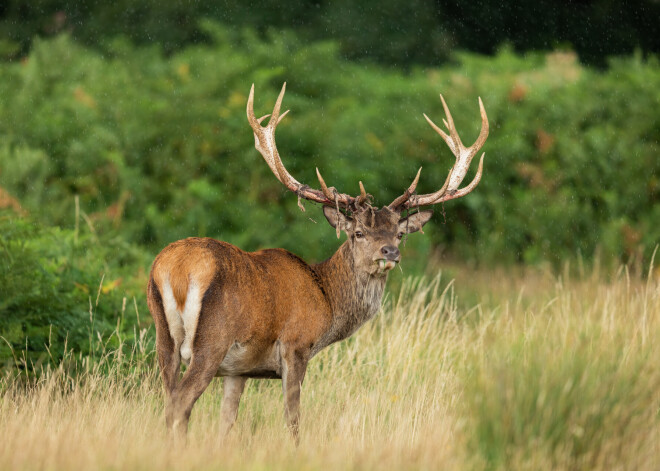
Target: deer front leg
[294, 365]
[232, 389]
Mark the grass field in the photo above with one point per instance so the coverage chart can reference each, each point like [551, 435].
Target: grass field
[491, 371]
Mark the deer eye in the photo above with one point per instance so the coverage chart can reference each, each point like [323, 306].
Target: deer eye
[359, 235]
[399, 235]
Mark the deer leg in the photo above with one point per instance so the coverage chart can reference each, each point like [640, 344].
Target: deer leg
[196, 379]
[232, 389]
[294, 365]
[170, 365]
[167, 348]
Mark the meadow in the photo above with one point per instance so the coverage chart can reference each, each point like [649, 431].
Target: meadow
[470, 369]
[113, 145]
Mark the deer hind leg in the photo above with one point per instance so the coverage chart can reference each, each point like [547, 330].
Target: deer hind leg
[209, 346]
[232, 390]
[182, 325]
[294, 366]
[168, 342]
[169, 359]
[202, 369]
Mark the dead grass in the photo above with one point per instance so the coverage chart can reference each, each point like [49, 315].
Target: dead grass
[546, 373]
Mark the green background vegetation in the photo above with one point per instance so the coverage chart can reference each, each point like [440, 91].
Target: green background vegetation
[158, 147]
[143, 124]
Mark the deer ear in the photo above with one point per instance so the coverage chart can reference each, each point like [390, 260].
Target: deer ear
[415, 222]
[337, 219]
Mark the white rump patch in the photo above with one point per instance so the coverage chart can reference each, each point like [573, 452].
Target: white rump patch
[172, 314]
[183, 324]
[190, 316]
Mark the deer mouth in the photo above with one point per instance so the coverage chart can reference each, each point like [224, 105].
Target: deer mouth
[385, 265]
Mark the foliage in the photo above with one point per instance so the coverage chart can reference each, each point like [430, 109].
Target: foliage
[60, 291]
[158, 148]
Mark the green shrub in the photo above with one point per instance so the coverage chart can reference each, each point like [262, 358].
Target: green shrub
[60, 291]
[158, 148]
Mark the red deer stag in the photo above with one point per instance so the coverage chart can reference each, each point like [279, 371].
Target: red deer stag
[226, 312]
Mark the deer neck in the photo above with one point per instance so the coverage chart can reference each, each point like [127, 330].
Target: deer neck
[354, 296]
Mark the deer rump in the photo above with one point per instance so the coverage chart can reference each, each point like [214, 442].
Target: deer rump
[207, 292]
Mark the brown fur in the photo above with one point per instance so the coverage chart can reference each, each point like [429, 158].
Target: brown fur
[261, 282]
[265, 314]
[179, 262]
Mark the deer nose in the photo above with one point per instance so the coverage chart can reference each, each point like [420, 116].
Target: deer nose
[391, 253]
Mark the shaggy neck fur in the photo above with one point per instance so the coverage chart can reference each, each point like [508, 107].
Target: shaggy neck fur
[354, 296]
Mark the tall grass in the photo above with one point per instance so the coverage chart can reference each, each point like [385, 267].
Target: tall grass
[546, 373]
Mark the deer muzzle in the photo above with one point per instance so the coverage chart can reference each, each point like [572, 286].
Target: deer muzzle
[385, 265]
[389, 257]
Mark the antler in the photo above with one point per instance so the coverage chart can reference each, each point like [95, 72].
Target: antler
[264, 142]
[457, 173]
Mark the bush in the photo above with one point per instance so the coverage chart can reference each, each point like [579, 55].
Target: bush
[51, 281]
[158, 148]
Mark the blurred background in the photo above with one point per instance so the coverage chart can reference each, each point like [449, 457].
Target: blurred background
[123, 128]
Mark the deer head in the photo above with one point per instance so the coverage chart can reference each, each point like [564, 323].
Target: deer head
[373, 234]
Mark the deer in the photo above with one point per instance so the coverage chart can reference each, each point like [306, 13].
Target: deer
[224, 312]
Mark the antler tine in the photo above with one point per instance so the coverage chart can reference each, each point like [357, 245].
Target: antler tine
[408, 193]
[458, 171]
[465, 190]
[250, 107]
[324, 188]
[464, 155]
[278, 104]
[485, 128]
[264, 142]
[332, 195]
[450, 123]
[363, 194]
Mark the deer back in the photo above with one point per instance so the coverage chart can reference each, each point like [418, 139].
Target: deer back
[210, 289]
